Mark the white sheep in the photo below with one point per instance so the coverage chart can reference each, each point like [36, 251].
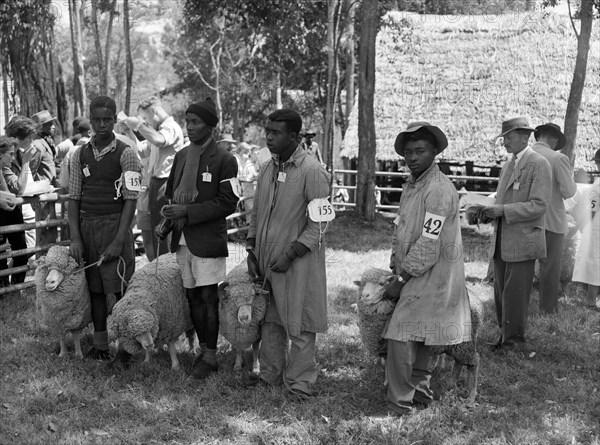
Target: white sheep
[154, 310]
[62, 297]
[242, 307]
[372, 318]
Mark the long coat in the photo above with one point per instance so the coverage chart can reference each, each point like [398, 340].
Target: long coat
[279, 218]
[427, 243]
[523, 235]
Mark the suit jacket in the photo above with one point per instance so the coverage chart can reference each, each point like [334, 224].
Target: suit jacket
[206, 228]
[563, 187]
[522, 235]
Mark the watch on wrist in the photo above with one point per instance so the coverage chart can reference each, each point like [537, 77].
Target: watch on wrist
[400, 279]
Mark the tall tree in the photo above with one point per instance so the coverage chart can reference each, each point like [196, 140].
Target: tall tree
[365, 186]
[128, 58]
[79, 91]
[586, 15]
[333, 26]
[98, 46]
[350, 63]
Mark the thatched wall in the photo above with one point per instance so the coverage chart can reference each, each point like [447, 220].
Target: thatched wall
[468, 73]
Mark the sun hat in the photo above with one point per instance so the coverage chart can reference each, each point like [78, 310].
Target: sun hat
[440, 137]
[515, 123]
[227, 137]
[555, 130]
[42, 117]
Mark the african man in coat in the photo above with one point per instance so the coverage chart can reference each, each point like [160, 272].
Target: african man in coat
[433, 306]
[285, 245]
[524, 189]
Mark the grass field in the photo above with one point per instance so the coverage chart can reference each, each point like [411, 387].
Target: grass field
[547, 393]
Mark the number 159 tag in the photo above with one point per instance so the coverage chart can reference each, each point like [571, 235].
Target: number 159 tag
[320, 210]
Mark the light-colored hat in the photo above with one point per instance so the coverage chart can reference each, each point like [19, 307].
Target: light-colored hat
[516, 123]
[440, 137]
[554, 129]
[42, 117]
[226, 137]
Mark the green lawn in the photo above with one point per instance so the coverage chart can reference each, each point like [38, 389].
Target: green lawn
[545, 394]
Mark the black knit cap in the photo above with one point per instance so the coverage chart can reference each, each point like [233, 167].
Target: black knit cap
[206, 110]
[291, 118]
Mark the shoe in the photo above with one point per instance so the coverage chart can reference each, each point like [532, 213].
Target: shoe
[98, 354]
[203, 369]
[298, 393]
[420, 404]
[391, 412]
[121, 361]
[254, 381]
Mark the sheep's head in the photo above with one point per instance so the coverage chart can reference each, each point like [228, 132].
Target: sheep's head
[146, 341]
[136, 326]
[243, 300]
[372, 285]
[59, 263]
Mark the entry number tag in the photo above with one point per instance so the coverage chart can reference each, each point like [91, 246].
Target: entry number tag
[86, 171]
[432, 226]
[397, 220]
[281, 176]
[235, 186]
[320, 210]
[206, 177]
[516, 186]
[592, 203]
[133, 181]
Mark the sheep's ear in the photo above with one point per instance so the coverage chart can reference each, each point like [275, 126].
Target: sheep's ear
[357, 283]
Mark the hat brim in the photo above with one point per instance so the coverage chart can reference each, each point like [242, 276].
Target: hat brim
[513, 129]
[440, 137]
[562, 140]
[46, 121]
[231, 141]
[309, 135]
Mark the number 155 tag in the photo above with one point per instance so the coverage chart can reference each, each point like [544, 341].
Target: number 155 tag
[320, 210]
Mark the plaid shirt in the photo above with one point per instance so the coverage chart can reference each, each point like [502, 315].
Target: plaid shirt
[129, 162]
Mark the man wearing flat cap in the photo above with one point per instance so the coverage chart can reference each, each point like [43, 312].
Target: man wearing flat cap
[524, 189]
[549, 141]
[202, 189]
[429, 278]
[285, 246]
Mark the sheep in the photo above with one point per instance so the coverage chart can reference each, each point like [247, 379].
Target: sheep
[153, 311]
[242, 306]
[62, 297]
[372, 319]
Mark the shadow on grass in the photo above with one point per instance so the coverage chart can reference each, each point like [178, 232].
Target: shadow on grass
[351, 233]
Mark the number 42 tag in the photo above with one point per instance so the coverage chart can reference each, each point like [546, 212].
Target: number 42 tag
[432, 226]
[321, 210]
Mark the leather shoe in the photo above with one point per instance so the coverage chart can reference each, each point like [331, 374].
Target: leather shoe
[203, 369]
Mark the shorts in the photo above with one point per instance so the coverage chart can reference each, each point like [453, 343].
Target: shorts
[97, 232]
[197, 271]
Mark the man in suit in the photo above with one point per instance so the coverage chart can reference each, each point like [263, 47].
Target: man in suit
[549, 140]
[519, 239]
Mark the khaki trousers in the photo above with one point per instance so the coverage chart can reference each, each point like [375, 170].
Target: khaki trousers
[301, 370]
[409, 366]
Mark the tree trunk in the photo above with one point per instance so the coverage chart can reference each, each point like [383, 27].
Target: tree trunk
[350, 65]
[107, 54]
[62, 104]
[278, 91]
[128, 58]
[79, 93]
[586, 15]
[365, 187]
[98, 45]
[328, 130]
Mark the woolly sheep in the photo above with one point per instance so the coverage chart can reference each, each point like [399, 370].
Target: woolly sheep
[372, 319]
[62, 297]
[154, 310]
[242, 306]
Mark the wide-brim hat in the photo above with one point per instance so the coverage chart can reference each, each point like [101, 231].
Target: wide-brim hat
[42, 117]
[440, 137]
[308, 134]
[516, 123]
[555, 130]
[227, 138]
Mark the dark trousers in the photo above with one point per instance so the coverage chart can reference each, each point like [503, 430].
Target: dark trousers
[156, 196]
[550, 272]
[17, 241]
[512, 289]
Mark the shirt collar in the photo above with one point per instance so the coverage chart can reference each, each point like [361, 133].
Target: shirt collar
[432, 170]
[295, 158]
[522, 153]
[166, 121]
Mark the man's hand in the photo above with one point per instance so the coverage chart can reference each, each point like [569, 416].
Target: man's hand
[28, 154]
[494, 211]
[132, 122]
[252, 263]
[281, 264]
[174, 211]
[76, 251]
[113, 251]
[393, 289]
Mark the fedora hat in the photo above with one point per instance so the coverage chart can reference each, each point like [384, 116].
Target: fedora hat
[555, 130]
[42, 117]
[516, 123]
[226, 137]
[440, 137]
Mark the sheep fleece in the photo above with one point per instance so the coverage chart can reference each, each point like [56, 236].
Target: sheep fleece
[160, 294]
[68, 307]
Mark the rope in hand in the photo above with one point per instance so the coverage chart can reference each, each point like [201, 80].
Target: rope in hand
[121, 275]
